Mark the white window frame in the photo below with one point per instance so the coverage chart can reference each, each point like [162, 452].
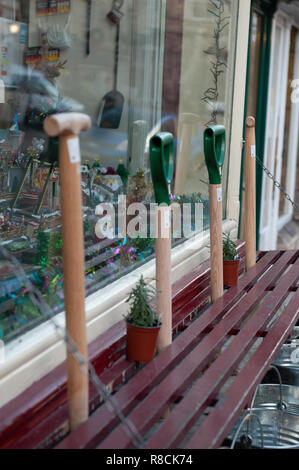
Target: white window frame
[269, 232]
[274, 133]
[292, 150]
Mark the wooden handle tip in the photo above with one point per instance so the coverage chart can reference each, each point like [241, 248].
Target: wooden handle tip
[66, 123]
[250, 121]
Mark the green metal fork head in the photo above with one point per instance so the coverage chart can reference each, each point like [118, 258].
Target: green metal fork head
[214, 148]
[162, 163]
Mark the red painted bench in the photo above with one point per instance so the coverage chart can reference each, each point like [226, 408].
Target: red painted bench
[209, 374]
[38, 417]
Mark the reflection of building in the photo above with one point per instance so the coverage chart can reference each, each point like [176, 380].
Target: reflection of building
[273, 66]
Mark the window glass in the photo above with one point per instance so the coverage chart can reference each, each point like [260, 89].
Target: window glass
[135, 67]
[207, 80]
[284, 206]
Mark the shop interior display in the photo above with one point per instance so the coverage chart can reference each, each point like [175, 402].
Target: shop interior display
[30, 216]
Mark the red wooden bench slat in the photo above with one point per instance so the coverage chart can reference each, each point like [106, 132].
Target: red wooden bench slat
[198, 301]
[36, 430]
[190, 292]
[113, 376]
[206, 388]
[90, 433]
[189, 280]
[162, 396]
[220, 421]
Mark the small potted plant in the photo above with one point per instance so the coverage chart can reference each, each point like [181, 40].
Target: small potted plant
[143, 323]
[230, 261]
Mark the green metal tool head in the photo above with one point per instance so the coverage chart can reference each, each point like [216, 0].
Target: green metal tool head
[162, 162]
[214, 148]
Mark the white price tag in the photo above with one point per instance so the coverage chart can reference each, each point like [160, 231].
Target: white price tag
[167, 219]
[74, 149]
[219, 194]
[253, 151]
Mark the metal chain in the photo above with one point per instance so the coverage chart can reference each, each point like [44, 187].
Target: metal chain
[277, 184]
[85, 365]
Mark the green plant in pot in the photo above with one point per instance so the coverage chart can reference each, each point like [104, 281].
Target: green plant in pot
[230, 261]
[143, 323]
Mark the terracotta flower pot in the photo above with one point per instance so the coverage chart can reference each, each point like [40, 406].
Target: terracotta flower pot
[141, 343]
[230, 273]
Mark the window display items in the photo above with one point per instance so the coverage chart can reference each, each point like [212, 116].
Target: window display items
[57, 37]
[51, 7]
[113, 102]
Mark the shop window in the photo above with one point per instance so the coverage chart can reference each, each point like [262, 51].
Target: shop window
[162, 61]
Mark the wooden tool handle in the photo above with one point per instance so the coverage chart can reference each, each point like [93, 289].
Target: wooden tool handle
[68, 126]
[163, 279]
[163, 275]
[250, 193]
[66, 123]
[74, 282]
[216, 241]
